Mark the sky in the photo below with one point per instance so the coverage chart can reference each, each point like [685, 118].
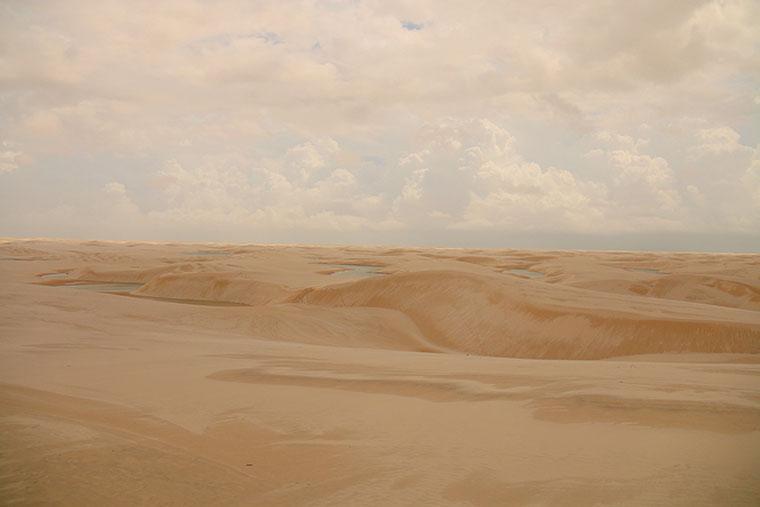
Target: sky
[594, 124]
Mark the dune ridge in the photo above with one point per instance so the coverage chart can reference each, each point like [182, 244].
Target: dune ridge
[486, 315]
[212, 286]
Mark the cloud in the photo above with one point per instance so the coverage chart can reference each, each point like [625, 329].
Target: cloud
[718, 140]
[9, 159]
[470, 175]
[640, 182]
[303, 188]
[401, 116]
[118, 203]
[751, 180]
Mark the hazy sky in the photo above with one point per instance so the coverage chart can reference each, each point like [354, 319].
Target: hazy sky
[597, 124]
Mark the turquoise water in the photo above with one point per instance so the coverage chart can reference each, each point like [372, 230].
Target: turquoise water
[650, 270]
[526, 273]
[55, 276]
[105, 287]
[355, 270]
[204, 253]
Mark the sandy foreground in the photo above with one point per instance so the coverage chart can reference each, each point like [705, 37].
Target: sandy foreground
[199, 374]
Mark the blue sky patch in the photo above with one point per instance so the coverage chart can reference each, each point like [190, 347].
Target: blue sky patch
[411, 25]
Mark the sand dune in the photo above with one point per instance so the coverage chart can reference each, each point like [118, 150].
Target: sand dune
[713, 290]
[464, 312]
[504, 316]
[484, 311]
[287, 375]
[226, 287]
[345, 327]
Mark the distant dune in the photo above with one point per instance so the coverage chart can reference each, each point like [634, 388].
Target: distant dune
[712, 290]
